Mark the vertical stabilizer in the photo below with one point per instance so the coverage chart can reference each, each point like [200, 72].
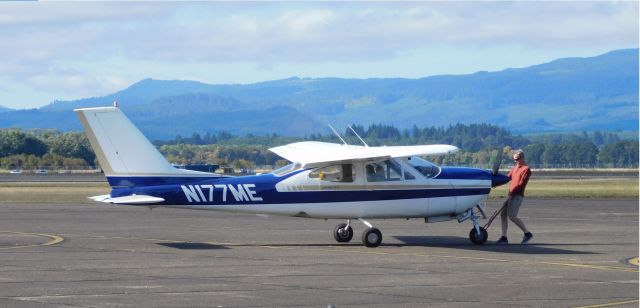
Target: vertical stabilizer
[121, 148]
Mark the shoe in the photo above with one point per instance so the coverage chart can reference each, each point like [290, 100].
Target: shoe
[527, 237]
[502, 241]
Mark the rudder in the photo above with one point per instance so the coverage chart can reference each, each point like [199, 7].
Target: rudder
[121, 148]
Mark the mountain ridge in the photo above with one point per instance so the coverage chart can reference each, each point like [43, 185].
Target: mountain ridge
[568, 94]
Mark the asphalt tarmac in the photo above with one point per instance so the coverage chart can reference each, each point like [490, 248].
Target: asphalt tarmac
[94, 255]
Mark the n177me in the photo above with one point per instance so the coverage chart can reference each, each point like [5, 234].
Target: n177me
[204, 193]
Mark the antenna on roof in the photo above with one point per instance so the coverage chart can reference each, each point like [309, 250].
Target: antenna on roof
[335, 132]
[353, 130]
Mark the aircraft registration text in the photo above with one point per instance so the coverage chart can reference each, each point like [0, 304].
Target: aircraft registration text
[205, 193]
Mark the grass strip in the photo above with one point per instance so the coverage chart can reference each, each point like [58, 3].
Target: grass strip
[50, 192]
[619, 188]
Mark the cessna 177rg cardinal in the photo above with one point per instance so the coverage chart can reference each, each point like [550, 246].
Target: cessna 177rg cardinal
[324, 180]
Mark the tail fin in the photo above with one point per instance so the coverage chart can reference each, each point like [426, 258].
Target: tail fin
[122, 149]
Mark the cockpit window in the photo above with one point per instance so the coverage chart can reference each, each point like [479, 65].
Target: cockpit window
[387, 170]
[426, 168]
[286, 169]
[334, 173]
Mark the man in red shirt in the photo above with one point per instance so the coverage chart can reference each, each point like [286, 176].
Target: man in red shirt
[519, 175]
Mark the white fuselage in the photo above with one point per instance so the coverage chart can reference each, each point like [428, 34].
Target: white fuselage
[303, 193]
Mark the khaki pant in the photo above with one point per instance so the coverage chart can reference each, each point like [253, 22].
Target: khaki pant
[513, 204]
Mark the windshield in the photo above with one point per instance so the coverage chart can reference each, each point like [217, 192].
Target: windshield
[426, 168]
[286, 169]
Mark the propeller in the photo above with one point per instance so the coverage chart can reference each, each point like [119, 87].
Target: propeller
[497, 162]
[498, 178]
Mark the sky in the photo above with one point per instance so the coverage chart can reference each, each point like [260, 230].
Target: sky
[70, 50]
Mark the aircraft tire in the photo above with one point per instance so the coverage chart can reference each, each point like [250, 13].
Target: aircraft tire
[478, 239]
[372, 237]
[342, 237]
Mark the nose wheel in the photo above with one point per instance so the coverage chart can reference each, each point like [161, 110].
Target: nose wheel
[479, 236]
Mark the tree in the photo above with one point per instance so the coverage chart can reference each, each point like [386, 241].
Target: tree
[14, 141]
[72, 144]
[552, 154]
[533, 153]
[598, 138]
[620, 154]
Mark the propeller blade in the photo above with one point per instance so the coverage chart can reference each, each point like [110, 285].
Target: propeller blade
[497, 162]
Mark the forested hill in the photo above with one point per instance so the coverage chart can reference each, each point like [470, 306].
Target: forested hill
[572, 94]
[479, 143]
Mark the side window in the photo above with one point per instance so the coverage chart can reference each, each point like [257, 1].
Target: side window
[383, 171]
[335, 173]
[408, 175]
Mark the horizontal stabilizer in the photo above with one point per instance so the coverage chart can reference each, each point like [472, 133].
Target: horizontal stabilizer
[100, 198]
[133, 199]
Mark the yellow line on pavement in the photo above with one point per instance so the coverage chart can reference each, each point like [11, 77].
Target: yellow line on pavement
[611, 304]
[597, 267]
[592, 266]
[54, 239]
[633, 261]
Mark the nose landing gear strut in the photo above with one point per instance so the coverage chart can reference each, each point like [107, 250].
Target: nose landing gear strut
[478, 234]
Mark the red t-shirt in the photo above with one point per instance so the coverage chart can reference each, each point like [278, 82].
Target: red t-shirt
[519, 175]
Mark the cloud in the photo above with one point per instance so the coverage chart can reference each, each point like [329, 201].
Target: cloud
[73, 13]
[343, 33]
[83, 83]
[302, 32]
[78, 41]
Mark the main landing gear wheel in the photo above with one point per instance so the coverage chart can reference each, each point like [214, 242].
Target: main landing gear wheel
[476, 238]
[343, 233]
[372, 237]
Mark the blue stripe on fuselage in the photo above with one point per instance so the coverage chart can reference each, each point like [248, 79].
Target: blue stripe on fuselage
[449, 173]
[461, 173]
[266, 193]
[135, 181]
[173, 194]
[373, 195]
[264, 188]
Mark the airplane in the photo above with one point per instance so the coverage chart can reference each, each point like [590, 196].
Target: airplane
[324, 181]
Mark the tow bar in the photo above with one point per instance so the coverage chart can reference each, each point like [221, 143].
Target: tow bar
[495, 214]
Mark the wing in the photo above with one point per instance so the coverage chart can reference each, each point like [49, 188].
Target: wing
[311, 153]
